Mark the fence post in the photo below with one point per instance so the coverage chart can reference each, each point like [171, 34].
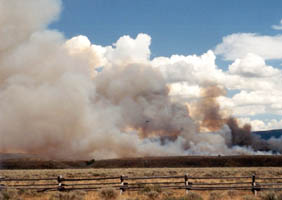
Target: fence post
[60, 179]
[122, 189]
[1, 185]
[254, 190]
[186, 183]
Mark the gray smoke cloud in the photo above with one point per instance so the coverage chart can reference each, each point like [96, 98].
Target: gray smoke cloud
[53, 102]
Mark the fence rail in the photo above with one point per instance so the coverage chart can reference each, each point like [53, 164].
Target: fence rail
[125, 183]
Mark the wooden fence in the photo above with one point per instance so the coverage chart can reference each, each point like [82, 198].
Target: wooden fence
[125, 183]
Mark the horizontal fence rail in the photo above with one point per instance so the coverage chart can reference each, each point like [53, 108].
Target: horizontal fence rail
[125, 183]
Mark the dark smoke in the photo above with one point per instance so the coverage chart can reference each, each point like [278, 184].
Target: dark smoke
[213, 120]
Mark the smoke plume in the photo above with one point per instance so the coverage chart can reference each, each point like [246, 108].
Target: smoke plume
[56, 102]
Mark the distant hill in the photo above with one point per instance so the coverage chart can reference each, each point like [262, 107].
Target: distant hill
[268, 134]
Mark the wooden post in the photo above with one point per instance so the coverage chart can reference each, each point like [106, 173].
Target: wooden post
[60, 179]
[121, 184]
[1, 185]
[186, 183]
[254, 190]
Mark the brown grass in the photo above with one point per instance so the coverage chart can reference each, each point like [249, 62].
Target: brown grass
[151, 192]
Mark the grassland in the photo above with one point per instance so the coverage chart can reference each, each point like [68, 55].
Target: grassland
[142, 195]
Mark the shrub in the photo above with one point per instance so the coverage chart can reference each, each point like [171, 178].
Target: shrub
[269, 196]
[90, 162]
[167, 195]
[28, 192]
[108, 194]
[152, 195]
[77, 195]
[279, 196]
[192, 196]
[146, 189]
[215, 195]
[150, 188]
[231, 193]
[9, 195]
[249, 197]
[129, 198]
[157, 188]
[172, 198]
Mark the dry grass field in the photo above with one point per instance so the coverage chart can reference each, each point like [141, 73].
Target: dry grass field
[150, 193]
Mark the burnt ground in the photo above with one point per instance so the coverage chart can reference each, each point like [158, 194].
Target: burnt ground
[25, 162]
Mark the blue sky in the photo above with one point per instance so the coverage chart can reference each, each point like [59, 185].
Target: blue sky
[176, 27]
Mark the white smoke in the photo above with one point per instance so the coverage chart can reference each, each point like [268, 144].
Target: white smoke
[54, 103]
